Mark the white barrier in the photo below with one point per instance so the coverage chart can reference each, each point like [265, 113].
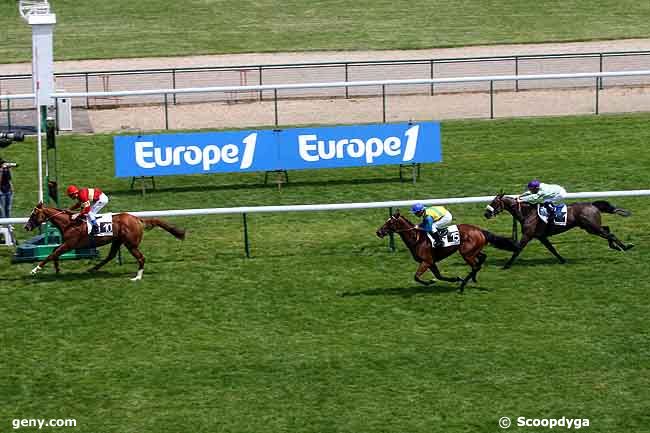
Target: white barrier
[347, 206]
[353, 84]
[338, 84]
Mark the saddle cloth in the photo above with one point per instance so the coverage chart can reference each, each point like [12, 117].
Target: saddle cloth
[105, 222]
[560, 214]
[452, 239]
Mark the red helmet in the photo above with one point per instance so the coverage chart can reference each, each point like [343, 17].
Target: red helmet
[72, 190]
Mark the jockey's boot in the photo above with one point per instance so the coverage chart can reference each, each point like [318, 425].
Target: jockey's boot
[443, 232]
[550, 208]
[437, 239]
[94, 229]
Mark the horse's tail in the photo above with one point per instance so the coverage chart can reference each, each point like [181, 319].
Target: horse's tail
[607, 207]
[500, 242]
[150, 223]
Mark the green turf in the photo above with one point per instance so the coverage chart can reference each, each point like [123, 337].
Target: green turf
[323, 330]
[127, 28]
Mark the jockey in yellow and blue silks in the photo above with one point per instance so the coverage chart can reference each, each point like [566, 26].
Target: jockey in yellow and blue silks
[434, 221]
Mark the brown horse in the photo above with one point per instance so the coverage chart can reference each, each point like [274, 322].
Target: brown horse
[127, 230]
[584, 215]
[472, 241]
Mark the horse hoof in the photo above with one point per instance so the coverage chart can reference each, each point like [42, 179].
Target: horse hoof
[138, 276]
[628, 247]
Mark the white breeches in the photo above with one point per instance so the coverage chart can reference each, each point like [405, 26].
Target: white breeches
[442, 222]
[99, 204]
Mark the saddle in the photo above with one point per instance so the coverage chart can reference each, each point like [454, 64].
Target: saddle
[449, 239]
[560, 214]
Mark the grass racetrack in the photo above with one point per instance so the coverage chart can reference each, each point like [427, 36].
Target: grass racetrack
[125, 28]
[324, 330]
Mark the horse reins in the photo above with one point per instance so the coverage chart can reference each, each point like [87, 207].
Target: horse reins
[52, 216]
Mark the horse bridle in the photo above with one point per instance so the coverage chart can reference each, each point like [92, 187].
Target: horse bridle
[495, 212]
[402, 230]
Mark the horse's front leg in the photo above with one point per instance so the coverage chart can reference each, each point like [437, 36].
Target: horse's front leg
[549, 246]
[424, 266]
[520, 246]
[53, 256]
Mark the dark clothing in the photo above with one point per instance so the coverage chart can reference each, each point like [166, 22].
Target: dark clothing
[5, 180]
[6, 193]
[5, 204]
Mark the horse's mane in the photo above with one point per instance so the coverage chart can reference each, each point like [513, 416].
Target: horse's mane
[403, 218]
[66, 211]
[512, 199]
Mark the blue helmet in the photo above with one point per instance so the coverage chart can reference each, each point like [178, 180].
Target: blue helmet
[417, 207]
[533, 184]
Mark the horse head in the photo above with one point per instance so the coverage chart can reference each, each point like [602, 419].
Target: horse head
[394, 224]
[36, 218]
[496, 206]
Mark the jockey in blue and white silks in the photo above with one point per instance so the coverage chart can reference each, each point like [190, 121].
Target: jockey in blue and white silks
[434, 221]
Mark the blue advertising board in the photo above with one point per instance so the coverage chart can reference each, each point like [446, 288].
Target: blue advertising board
[288, 149]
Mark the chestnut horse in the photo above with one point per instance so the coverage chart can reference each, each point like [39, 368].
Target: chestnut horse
[472, 241]
[127, 230]
[584, 215]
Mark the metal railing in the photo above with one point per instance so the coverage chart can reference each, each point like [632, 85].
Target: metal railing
[383, 85]
[242, 75]
[390, 205]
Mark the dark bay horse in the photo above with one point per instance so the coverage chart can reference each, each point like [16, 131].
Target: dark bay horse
[587, 216]
[127, 230]
[472, 241]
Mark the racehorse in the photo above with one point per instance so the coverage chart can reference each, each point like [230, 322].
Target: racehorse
[584, 215]
[472, 241]
[127, 230]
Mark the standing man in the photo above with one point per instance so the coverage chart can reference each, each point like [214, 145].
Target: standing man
[6, 188]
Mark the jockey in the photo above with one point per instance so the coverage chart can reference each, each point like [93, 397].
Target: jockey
[543, 193]
[90, 200]
[434, 221]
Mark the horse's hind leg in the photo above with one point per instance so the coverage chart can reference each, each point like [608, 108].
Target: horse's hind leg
[605, 233]
[481, 259]
[135, 252]
[438, 275]
[115, 247]
[614, 242]
[475, 262]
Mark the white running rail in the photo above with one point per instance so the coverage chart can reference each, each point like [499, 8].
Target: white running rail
[339, 84]
[347, 206]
